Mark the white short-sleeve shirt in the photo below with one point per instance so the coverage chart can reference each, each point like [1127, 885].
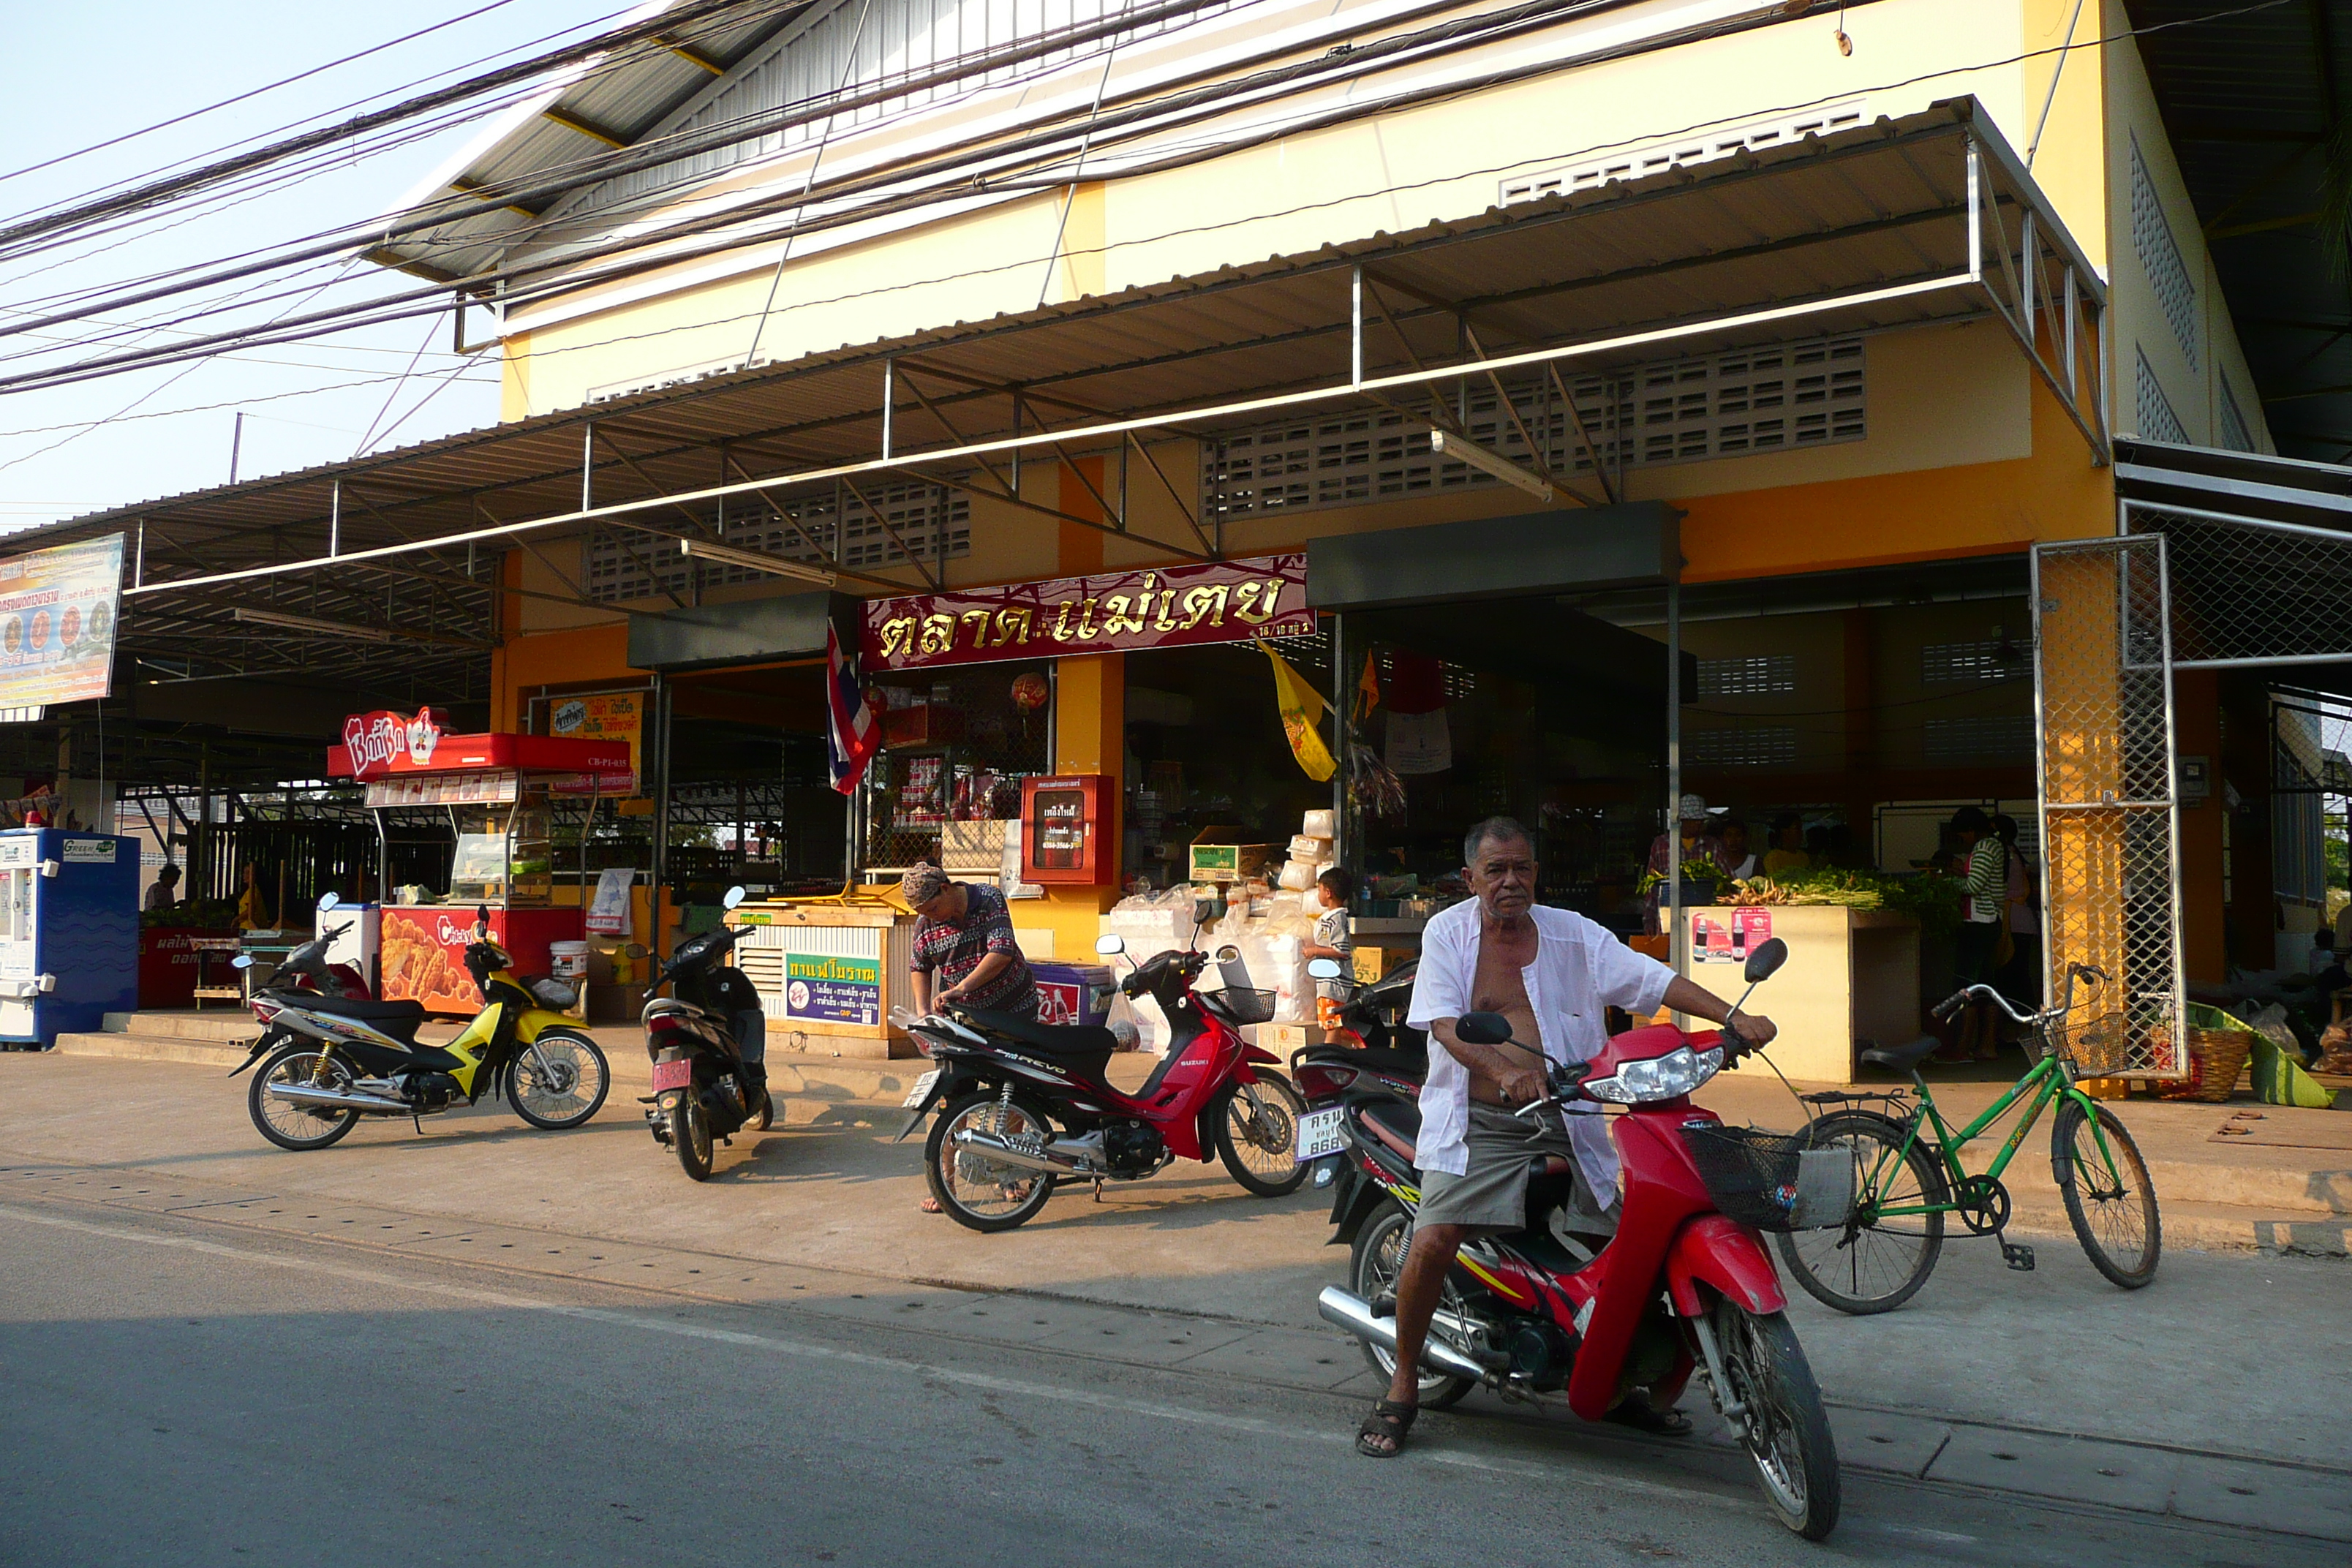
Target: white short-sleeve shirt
[1581, 969]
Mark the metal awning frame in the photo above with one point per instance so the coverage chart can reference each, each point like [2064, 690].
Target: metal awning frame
[2035, 281]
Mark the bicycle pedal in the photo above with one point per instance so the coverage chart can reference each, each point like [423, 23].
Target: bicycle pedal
[2018, 1257]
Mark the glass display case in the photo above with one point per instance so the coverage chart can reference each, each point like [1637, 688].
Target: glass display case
[502, 853]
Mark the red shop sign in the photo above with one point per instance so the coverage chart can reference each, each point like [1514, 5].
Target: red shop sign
[1165, 607]
[374, 741]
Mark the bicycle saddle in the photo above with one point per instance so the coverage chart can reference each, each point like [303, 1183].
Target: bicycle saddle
[1903, 1059]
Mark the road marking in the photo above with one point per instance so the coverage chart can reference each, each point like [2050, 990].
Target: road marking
[641, 1322]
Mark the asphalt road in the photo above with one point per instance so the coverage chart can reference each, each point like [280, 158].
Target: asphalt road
[178, 1392]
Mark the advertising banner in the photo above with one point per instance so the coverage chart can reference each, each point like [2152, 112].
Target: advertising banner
[422, 959]
[605, 716]
[1167, 606]
[57, 613]
[832, 990]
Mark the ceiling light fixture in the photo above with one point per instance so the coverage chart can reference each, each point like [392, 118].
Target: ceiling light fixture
[752, 561]
[1464, 451]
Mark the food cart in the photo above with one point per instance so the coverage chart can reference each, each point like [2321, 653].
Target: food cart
[496, 791]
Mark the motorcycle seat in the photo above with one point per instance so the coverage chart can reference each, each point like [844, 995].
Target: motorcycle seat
[1087, 1047]
[1903, 1059]
[365, 1012]
[1398, 1126]
[1372, 1058]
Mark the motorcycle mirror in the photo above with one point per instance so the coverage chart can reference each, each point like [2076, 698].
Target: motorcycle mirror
[327, 902]
[1483, 1029]
[1323, 968]
[1228, 952]
[734, 897]
[1110, 946]
[242, 960]
[1765, 958]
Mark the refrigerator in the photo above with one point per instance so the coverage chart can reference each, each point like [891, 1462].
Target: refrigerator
[68, 933]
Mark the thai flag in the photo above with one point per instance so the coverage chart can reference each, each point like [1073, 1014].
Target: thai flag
[852, 736]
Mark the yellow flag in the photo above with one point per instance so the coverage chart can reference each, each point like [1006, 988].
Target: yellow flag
[1302, 715]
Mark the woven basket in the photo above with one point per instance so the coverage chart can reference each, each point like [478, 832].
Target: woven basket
[2216, 1059]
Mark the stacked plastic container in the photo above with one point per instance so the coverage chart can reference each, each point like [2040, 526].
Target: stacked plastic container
[1310, 856]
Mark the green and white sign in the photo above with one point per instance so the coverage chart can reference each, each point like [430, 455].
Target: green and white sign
[832, 990]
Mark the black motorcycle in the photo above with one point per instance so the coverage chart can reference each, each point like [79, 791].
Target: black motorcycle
[1373, 1053]
[708, 1041]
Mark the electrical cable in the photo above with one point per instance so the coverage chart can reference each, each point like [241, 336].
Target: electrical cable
[250, 93]
[1515, 163]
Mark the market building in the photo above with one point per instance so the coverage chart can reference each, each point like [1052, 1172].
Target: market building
[1595, 402]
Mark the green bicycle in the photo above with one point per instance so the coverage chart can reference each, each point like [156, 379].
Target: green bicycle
[1908, 1177]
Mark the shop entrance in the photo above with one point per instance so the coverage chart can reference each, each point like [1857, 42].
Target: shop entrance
[750, 796]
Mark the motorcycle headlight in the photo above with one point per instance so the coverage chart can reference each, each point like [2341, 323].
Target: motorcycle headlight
[1669, 1076]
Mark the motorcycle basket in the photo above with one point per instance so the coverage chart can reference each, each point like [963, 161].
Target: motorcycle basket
[1772, 1181]
[1241, 1004]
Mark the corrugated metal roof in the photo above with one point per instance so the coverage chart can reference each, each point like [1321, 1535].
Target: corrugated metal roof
[1874, 207]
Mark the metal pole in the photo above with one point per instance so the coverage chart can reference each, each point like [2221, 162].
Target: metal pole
[587, 465]
[1343, 697]
[1976, 214]
[1356, 325]
[138, 556]
[660, 855]
[236, 445]
[889, 396]
[335, 519]
[1674, 776]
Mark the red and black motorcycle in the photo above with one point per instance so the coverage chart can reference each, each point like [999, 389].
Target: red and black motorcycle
[1551, 1315]
[1023, 1106]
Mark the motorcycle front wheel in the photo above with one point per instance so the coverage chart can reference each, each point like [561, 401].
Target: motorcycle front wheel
[975, 1191]
[1785, 1430]
[292, 1126]
[1257, 1135]
[559, 1080]
[1372, 1270]
[689, 1134]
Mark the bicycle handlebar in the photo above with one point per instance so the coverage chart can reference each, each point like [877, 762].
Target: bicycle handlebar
[1980, 992]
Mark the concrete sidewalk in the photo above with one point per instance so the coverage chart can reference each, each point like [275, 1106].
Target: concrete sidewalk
[2279, 1180]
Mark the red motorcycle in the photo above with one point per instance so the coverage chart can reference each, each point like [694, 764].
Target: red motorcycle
[1024, 1106]
[306, 969]
[1546, 1315]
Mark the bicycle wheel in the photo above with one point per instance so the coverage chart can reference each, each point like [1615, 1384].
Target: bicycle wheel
[2109, 1200]
[1872, 1263]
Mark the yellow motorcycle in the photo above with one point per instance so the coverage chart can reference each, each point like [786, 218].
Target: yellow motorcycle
[333, 1060]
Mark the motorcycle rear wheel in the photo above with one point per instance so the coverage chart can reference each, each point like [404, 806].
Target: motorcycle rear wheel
[566, 1089]
[1372, 1270]
[689, 1134]
[292, 1126]
[974, 1191]
[1785, 1431]
[1257, 1133]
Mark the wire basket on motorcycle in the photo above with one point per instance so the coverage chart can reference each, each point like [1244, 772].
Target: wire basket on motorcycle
[1772, 1181]
[1241, 1004]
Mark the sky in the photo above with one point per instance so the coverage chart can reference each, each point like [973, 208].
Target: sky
[78, 75]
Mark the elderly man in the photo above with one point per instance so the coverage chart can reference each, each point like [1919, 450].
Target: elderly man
[1553, 975]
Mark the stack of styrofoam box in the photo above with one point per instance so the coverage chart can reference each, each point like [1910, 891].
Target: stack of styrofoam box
[1310, 856]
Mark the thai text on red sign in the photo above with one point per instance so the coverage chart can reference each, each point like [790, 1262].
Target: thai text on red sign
[373, 739]
[1165, 607]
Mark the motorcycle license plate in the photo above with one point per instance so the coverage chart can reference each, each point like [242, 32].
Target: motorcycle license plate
[1319, 1134]
[678, 1074]
[922, 1087]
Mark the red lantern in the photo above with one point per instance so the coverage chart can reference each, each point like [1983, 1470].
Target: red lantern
[1029, 691]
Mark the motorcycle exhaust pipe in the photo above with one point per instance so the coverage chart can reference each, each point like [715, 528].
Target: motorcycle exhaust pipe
[1353, 1314]
[997, 1149]
[337, 1099]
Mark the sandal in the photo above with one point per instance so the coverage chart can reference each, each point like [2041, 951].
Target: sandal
[1389, 1422]
[1644, 1417]
[929, 1205]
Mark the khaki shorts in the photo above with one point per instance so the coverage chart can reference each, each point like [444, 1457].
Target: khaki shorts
[1490, 1196]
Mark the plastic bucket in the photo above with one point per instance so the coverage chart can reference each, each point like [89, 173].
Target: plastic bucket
[567, 960]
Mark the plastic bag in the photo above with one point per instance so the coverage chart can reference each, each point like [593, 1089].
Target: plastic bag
[2279, 1077]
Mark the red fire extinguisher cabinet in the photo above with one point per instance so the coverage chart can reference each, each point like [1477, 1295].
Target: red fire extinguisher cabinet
[1064, 839]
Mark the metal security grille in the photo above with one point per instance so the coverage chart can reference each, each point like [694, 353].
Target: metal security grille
[2158, 422]
[1676, 411]
[2249, 592]
[2110, 828]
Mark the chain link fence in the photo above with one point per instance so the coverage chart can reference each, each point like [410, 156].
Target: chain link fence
[2246, 592]
[2110, 841]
